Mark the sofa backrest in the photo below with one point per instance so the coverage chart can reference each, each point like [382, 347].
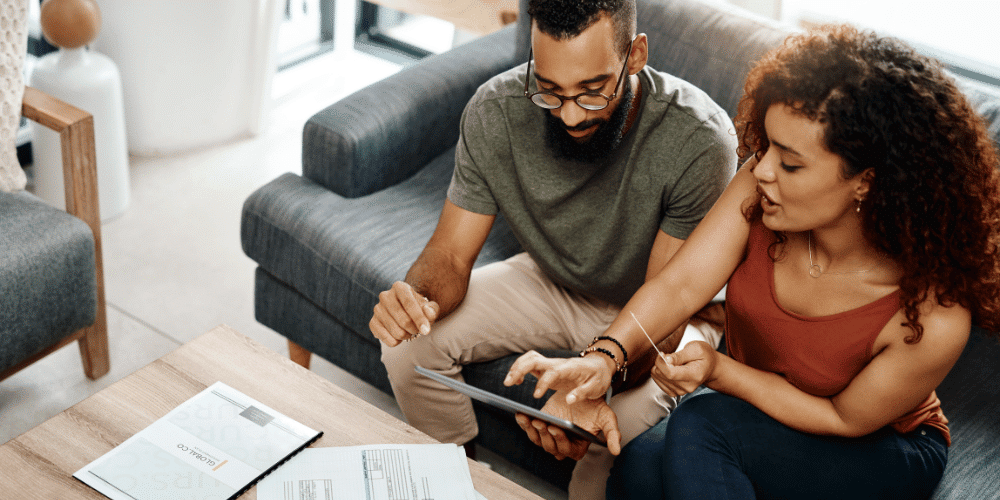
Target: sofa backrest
[712, 46]
[985, 99]
[970, 398]
[709, 45]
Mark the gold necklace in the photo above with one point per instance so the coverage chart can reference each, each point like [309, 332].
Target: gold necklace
[815, 271]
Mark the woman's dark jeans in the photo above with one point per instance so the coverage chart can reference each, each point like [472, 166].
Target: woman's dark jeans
[718, 446]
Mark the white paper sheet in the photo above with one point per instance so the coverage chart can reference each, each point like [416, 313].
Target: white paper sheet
[373, 472]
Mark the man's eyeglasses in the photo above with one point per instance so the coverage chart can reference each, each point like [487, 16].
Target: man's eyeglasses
[592, 101]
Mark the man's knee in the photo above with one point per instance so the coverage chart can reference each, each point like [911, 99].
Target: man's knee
[428, 351]
[400, 360]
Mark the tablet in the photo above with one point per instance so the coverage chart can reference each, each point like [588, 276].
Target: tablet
[511, 405]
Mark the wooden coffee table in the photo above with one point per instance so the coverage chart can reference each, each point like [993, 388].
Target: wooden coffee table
[40, 463]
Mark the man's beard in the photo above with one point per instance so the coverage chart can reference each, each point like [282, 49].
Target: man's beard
[602, 142]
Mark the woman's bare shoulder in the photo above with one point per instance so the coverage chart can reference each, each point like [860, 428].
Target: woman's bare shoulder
[944, 334]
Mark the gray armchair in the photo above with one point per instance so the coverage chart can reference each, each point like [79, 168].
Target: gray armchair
[51, 277]
[376, 166]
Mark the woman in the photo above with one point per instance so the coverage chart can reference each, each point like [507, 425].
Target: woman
[860, 242]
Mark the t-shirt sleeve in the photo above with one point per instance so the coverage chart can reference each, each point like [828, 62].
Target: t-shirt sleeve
[469, 188]
[707, 161]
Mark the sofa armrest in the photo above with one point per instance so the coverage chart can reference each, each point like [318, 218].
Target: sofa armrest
[384, 133]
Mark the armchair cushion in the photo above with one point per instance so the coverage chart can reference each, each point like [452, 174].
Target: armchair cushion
[47, 278]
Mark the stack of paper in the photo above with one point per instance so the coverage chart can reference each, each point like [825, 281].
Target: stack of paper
[373, 472]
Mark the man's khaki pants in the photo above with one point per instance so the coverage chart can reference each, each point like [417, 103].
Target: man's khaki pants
[511, 307]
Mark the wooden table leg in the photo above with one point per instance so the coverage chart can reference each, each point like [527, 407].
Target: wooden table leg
[299, 354]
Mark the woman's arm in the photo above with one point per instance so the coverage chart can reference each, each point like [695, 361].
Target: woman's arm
[895, 382]
[689, 280]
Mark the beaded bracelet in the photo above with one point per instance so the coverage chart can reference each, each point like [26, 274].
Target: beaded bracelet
[617, 343]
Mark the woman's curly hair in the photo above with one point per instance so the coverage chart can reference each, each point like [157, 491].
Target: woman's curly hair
[934, 203]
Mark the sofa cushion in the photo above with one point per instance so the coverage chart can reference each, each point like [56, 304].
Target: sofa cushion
[280, 307]
[712, 46]
[47, 276]
[522, 36]
[985, 99]
[341, 253]
[970, 398]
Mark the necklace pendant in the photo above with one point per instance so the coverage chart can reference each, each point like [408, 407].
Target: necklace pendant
[815, 271]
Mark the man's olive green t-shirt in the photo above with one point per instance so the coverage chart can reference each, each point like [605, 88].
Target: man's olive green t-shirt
[591, 226]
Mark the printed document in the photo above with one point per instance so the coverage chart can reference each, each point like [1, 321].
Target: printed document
[373, 472]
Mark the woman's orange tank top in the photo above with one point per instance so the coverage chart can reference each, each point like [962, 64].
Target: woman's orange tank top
[819, 355]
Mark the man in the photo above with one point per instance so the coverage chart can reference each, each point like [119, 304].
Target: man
[602, 168]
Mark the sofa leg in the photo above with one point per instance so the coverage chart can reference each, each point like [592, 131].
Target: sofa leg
[94, 349]
[299, 354]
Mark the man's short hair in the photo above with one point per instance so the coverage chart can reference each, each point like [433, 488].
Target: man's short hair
[566, 19]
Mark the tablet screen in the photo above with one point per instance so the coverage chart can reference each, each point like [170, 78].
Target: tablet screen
[511, 405]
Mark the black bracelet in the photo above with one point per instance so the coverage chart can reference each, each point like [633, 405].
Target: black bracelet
[617, 343]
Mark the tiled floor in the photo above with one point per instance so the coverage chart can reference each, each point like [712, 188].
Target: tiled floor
[174, 267]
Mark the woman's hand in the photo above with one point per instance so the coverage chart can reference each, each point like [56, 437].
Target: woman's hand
[585, 378]
[684, 371]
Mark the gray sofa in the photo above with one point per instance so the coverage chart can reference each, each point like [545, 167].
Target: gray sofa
[375, 169]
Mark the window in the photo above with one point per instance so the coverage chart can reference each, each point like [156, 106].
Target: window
[962, 34]
[401, 31]
[394, 34]
[306, 30]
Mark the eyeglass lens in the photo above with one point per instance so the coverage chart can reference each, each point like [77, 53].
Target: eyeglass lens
[585, 101]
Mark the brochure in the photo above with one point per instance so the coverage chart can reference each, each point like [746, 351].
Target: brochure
[213, 446]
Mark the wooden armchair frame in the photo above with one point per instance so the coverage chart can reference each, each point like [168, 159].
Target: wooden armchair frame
[76, 133]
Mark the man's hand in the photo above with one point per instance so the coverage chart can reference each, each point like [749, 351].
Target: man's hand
[402, 314]
[593, 415]
[683, 371]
